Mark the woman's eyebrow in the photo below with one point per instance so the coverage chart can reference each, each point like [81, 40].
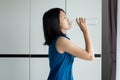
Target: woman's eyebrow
[64, 15]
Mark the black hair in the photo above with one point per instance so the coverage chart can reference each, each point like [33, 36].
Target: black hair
[51, 25]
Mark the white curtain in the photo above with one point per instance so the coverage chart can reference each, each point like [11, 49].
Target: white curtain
[118, 42]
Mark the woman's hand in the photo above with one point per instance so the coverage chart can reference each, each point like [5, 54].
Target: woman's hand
[82, 24]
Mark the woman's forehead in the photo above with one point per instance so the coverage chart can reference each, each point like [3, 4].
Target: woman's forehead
[62, 13]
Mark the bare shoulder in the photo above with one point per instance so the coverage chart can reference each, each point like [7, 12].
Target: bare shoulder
[62, 39]
[63, 43]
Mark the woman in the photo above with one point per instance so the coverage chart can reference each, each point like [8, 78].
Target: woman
[61, 49]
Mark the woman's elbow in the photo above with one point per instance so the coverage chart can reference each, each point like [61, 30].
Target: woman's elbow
[92, 57]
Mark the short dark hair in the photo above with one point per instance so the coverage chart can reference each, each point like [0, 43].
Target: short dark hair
[51, 25]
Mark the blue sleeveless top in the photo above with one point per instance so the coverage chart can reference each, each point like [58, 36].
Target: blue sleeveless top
[60, 64]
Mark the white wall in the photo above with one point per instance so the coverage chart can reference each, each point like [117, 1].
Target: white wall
[38, 8]
[21, 33]
[14, 26]
[14, 39]
[91, 9]
[76, 8]
[14, 69]
[118, 43]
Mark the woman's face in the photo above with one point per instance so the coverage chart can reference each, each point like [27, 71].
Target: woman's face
[64, 22]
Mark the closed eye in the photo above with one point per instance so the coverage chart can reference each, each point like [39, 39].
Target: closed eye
[65, 17]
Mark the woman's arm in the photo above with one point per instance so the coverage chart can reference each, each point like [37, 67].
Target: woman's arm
[65, 45]
[82, 24]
